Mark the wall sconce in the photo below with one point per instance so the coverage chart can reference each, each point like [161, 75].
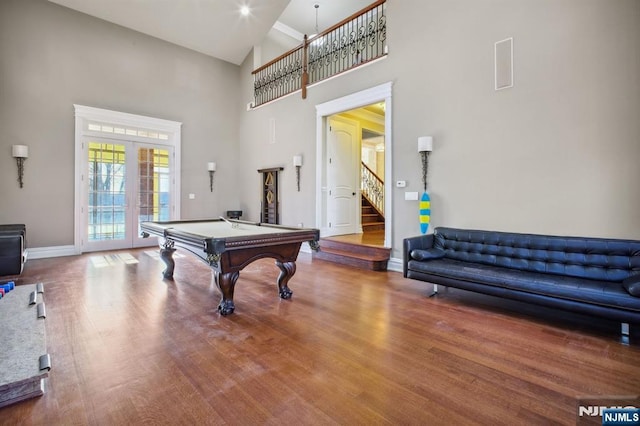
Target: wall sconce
[211, 167]
[297, 162]
[20, 153]
[425, 146]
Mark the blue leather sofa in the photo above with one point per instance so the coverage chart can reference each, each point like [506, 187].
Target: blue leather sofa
[13, 249]
[594, 276]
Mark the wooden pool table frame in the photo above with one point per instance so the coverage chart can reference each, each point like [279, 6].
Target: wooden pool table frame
[228, 256]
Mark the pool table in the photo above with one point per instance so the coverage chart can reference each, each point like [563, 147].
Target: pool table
[227, 246]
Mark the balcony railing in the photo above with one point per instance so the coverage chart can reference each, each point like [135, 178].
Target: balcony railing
[354, 41]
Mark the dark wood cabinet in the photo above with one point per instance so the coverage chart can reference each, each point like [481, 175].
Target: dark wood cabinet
[269, 212]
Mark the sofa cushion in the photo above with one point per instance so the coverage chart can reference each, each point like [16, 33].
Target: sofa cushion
[428, 254]
[579, 289]
[632, 285]
[593, 258]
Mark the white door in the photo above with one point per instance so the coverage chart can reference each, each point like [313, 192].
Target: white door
[125, 183]
[343, 206]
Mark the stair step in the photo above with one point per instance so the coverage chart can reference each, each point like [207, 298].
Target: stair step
[372, 226]
[358, 260]
[368, 218]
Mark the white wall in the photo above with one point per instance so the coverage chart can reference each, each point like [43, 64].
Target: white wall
[275, 44]
[52, 57]
[557, 153]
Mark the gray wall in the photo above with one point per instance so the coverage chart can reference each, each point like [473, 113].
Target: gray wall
[557, 153]
[52, 57]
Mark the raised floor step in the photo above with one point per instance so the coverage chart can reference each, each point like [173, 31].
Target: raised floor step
[372, 258]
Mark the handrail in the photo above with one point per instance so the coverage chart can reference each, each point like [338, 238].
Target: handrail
[279, 58]
[378, 178]
[372, 188]
[356, 40]
[346, 20]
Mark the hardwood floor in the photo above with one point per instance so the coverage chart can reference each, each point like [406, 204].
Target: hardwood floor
[369, 238]
[350, 347]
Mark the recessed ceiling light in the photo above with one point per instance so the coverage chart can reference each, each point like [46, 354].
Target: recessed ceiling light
[244, 10]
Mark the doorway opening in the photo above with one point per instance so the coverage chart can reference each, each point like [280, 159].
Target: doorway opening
[354, 167]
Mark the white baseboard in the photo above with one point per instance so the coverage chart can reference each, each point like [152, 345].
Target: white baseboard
[394, 264]
[45, 252]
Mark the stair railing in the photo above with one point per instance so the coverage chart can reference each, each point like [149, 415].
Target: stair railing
[372, 188]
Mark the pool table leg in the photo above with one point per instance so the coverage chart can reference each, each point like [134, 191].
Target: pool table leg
[226, 283]
[287, 269]
[166, 254]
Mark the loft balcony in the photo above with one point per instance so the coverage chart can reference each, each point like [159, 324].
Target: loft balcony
[351, 43]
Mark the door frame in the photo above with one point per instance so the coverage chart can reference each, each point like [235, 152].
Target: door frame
[356, 100]
[85, 116]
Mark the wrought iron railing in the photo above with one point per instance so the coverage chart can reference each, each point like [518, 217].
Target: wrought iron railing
[279, 77]
[354, 41]
[372, 188]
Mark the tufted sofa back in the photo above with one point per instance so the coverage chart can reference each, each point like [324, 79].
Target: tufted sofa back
[594, 258]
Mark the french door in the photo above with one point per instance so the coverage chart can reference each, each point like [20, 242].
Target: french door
[125, 183]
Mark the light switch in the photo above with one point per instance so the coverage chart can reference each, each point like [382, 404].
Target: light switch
[192, 196]
[401, 183]
[411, 196]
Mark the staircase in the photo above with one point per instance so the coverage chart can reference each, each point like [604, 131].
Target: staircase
[372, 258]
[371, 219]
[361, 252]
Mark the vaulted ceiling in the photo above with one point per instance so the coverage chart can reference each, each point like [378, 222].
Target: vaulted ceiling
[216, 27]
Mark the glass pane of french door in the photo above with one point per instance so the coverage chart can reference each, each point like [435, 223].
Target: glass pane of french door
[127, 183]
[153, 186]
[106, 199]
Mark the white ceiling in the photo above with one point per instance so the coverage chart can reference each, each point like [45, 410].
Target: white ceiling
[216, 27]
[301, 14]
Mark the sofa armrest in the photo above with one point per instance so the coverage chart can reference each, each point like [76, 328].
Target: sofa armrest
[14, 230]
[12, 254]
[421, 242]
[632, 285]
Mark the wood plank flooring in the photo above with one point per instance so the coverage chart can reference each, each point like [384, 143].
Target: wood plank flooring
[369, 238]
[351, 347]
